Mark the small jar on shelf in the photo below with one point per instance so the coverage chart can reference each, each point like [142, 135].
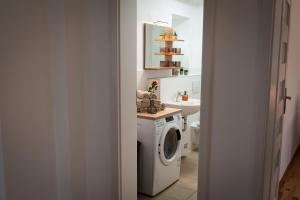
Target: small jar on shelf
[162, 37]
[181, 71]
[165, 63]
[162, 50]
[174, 36]
[177, 64]
[186, 72]
[175, 72]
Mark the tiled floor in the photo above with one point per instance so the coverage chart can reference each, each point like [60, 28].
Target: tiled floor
[290, 184]
[186, 187]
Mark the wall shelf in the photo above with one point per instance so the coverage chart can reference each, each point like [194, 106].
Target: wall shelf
[177, 40]
[161, 68]
[169, 54]
[167, 37]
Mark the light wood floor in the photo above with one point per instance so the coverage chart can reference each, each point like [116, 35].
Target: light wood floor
[186, 187]
[290, 184]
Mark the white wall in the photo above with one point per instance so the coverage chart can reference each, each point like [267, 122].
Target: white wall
[150, 11]
[237, 38]
[58, 88]
[291, 123]
[169, 87]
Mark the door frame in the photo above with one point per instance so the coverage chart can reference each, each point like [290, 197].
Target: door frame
[127, 131]
[273, 96]
[272, 102]
[272, 108]
[207, 77]
[127, 45]
[127, 21]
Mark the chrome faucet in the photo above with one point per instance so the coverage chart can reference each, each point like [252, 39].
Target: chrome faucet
[179, 96]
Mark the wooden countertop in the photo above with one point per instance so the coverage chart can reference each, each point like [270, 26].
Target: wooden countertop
[165, 113]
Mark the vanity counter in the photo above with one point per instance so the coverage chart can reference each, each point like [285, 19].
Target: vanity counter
[165, 113]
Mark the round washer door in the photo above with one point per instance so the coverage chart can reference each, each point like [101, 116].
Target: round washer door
[169, 143]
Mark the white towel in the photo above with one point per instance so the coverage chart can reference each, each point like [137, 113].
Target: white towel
[142, 94]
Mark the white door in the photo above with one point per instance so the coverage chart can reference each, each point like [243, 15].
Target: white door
[284, 13]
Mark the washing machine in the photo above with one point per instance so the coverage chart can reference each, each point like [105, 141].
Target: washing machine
[160, 153]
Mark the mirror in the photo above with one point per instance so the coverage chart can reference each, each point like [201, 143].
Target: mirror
[159, 52]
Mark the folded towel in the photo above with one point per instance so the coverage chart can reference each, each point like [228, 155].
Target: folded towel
[157, 101]
[138, 102]
[150, 106]
[146, 96]
[153, 96]
[142, 94]
[162, 106]
[146, 101]
[158, 107]
[145, 104]
[138, 106]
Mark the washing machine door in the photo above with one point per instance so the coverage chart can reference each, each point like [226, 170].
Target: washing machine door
[169, 145]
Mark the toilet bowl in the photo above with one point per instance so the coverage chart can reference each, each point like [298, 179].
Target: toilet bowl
[195, 134]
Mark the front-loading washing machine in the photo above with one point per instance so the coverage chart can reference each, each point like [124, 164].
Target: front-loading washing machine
[160, 153]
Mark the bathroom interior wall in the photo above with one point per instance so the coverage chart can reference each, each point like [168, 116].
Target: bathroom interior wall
[182, 27]
[169, 87]
[156, 10]
[291, 123]
[58, 88]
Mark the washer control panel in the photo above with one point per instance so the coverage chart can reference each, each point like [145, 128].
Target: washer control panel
[169, 119]
[173, 118]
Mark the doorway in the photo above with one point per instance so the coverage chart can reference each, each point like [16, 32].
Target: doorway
[233, 105]
[169, 61]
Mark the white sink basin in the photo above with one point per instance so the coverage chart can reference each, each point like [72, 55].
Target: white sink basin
[188, 107]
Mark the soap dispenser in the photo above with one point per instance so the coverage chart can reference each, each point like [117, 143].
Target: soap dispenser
[185, 96]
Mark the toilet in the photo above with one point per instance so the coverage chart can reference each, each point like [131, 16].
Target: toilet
[195, 134]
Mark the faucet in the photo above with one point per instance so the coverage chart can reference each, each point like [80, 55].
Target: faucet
[179, 97]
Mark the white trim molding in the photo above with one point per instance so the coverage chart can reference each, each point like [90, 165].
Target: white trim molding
[273, 92]
[206, 98]
[127, 99]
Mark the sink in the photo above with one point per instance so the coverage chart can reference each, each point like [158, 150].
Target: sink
[188, 107]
